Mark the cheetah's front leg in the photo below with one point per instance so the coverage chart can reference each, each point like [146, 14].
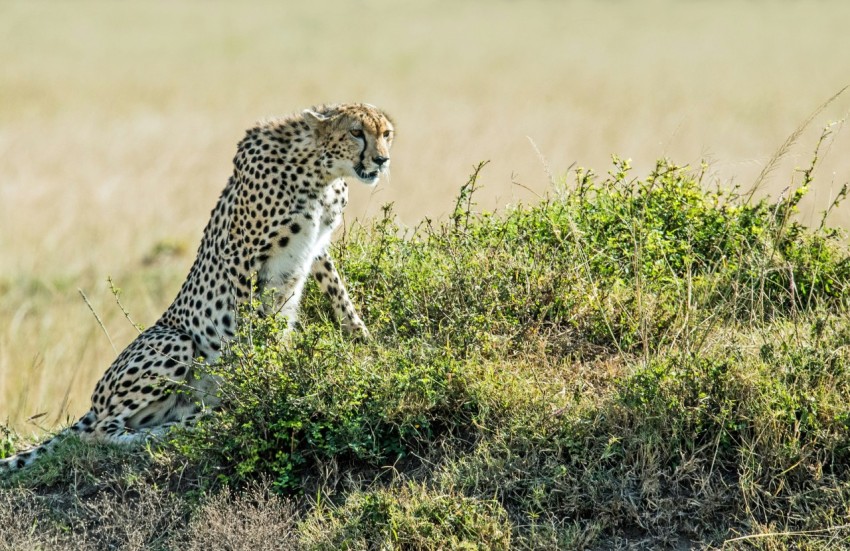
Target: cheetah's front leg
[331, 284]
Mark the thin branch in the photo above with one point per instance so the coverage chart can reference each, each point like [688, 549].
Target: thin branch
[99, 321]
[787, 144]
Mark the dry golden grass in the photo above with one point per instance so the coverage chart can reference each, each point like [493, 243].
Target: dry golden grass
[118, 122]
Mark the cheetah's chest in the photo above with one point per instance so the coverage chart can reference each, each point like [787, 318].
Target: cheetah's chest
[300, 241]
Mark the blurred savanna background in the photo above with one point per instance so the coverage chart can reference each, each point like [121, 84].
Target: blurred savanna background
[118, 122]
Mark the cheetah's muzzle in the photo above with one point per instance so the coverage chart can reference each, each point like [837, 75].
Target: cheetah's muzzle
[368, 177]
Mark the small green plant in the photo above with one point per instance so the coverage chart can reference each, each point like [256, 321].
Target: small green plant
[7, 442]
[410, 517]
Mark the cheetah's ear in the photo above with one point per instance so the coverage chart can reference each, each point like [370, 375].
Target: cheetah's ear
[314, 119]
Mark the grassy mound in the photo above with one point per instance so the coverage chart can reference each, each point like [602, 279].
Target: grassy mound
[630, 362]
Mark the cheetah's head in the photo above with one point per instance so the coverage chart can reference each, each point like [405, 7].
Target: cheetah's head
[356, 138]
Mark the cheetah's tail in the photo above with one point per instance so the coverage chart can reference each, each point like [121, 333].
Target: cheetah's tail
[24, 459]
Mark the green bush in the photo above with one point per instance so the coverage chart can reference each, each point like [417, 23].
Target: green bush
[610, 261]
[312, 396]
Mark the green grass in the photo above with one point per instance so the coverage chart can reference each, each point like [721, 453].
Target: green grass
[631, 361]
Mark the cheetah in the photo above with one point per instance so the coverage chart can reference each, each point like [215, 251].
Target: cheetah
[269, 231]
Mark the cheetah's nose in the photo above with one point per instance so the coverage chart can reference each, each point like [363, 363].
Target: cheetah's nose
[380, 160]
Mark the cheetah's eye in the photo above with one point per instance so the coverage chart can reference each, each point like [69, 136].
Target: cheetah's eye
[357, 133]
[387, 133]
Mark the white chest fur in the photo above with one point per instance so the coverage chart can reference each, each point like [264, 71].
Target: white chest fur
[302, 246]
[306, 235]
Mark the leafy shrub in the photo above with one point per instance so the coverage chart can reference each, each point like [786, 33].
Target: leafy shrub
[610, 262]
[312, 396]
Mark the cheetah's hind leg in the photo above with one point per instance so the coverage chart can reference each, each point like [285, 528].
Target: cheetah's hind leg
[151, 387]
